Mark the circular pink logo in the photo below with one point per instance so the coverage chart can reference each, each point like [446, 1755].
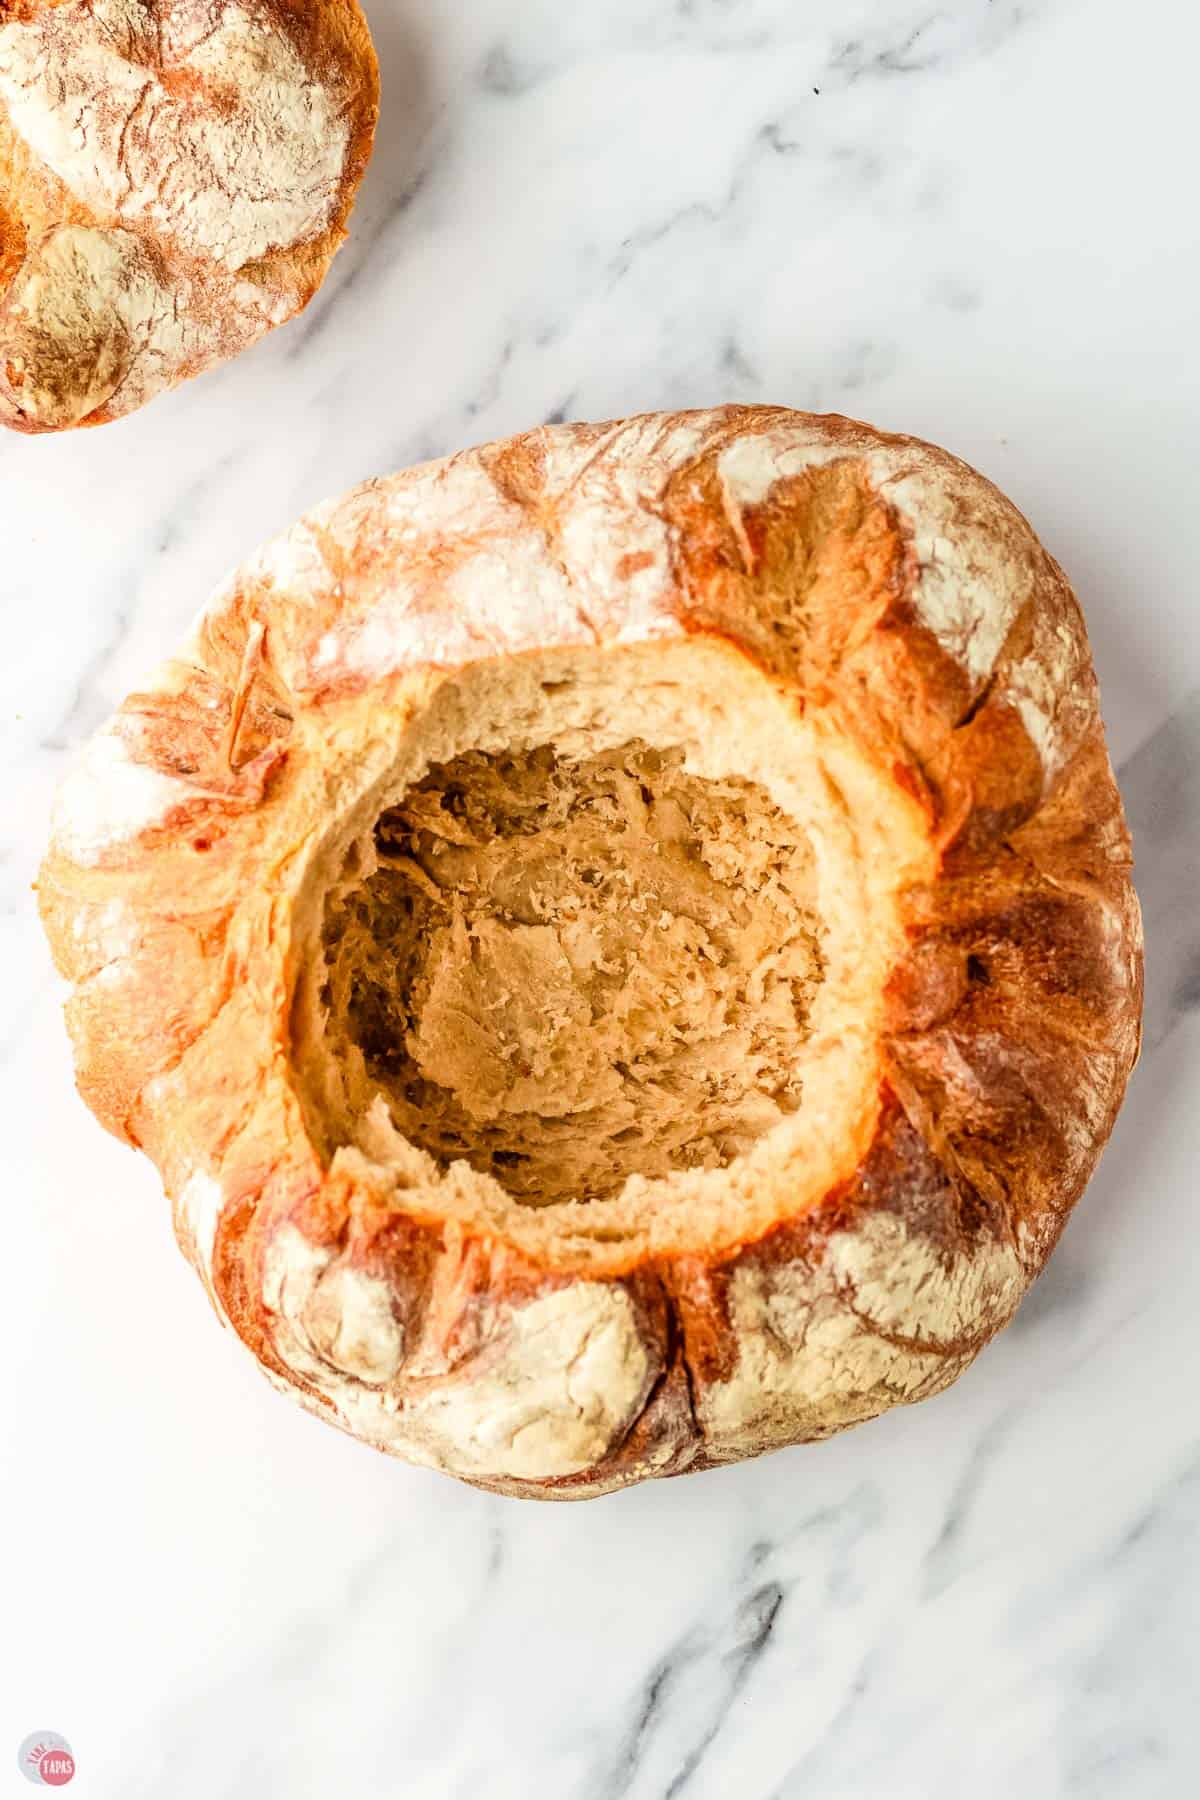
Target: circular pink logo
[45, 1758]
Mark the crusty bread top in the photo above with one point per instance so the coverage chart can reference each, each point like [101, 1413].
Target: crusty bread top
[774, 593]
[175, 177]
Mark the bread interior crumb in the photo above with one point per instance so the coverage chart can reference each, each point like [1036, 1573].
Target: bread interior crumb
[565, 971]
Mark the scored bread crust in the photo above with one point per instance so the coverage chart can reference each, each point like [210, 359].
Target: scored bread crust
[176, 177]
[887, 597]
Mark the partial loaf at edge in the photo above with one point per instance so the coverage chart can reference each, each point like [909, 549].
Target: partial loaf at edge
[175, 179]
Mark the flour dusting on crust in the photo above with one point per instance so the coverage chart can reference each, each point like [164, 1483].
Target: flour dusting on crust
[242, 159]
[197, 147]
[550, 1388]
[108, 799]
[882, 1318]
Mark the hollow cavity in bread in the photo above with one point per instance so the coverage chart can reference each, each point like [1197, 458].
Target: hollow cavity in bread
[597, 957]
[568, 970]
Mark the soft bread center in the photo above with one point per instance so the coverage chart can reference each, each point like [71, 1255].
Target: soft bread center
[567, 970]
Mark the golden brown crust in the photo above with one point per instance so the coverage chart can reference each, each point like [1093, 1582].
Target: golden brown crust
[905, 608]
[175, 180]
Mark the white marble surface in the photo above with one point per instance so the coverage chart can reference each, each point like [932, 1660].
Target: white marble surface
[976, 222]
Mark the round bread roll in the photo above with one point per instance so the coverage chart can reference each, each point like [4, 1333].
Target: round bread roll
[620, 943]
[175, 178]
